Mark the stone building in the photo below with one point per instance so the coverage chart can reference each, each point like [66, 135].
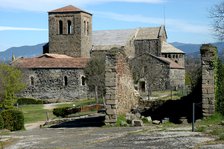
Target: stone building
[58, 73]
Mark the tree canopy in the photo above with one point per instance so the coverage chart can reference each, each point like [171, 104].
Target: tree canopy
[10, 84]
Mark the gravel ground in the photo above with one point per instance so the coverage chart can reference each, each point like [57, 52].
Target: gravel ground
[109, 138]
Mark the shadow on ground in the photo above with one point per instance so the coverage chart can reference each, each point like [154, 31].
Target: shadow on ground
[177, 110]
[96, 121]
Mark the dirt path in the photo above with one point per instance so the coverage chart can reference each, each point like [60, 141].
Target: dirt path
[110, 138]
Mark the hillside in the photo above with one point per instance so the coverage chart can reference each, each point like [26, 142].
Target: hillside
[191, 50]
[24, 51]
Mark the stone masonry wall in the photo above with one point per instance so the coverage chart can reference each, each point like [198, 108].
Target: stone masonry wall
[51, 84]
[76, 44]
[208, 53]
[120, 93]
[147, 46]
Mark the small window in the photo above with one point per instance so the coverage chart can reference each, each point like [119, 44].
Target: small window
[83, 81]
[142, 86]
[69, 27]
[87, 30]
[32, 81]
[176, 61]
[65, 80]
[84, 27]
[60, 27]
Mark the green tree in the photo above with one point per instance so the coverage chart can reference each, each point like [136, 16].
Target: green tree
[220, 88]
[95, 75]
[10, 84]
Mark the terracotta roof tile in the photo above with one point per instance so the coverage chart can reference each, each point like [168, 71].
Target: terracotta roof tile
[173, 65]
[68, 8]
[51, 62]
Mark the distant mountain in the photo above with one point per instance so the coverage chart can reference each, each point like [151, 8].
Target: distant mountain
[24, 51]
[192, 50]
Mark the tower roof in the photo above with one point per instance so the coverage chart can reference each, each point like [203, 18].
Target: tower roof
[68, 8]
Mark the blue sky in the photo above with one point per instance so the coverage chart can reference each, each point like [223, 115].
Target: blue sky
[25, 22]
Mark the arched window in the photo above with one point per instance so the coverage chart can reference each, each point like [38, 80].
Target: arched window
[84, 27]
[32, 81]
[60, 27]
[69, 27]
[83, 80]
[65, 80]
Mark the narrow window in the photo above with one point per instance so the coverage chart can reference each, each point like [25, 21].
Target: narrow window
[60, 27]
[84, 27]
[69, 27]
[65, 80]
[87, 28]
[142, 86]
[32, 81]
[83, 80]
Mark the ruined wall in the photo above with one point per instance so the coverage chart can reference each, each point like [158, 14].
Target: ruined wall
[208, 57]
[120, 93]
[177, 78]
[52, 84]
[78, 43]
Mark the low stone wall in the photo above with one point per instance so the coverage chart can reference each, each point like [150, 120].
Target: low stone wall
[120, 93]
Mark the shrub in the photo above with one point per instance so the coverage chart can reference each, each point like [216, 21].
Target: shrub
[25, 101]
[13, 119]
[64, 111]
[1, 122]
[60, 112]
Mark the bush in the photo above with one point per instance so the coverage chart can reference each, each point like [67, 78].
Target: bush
[64, 111]
[61, 112]
[25, 101]
[1, 122]
[13, 119]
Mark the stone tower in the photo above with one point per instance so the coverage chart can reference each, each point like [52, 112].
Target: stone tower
[208, 57]
[70, 32]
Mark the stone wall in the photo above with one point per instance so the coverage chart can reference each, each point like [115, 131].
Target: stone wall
[120, 93]
[54, 84]
[147, 46]
[75, 44]
[177, 78]
[208, 56]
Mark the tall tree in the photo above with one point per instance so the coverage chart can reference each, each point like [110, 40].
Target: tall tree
[95, 75]
[217, 14]
[10, 84]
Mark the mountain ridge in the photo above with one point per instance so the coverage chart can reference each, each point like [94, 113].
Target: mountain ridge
[192, 50]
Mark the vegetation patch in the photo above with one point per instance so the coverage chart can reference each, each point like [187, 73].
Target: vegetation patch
[13, 119]
[212, 125]
[35, 113]
[26, 101]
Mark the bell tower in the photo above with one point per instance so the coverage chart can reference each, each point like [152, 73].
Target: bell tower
[70, 32]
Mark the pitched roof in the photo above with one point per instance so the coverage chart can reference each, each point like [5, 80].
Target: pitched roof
[173, 65]
[148, 33]
[68, 8]
[51, 61]
[112, 37]
[123, 37]
[168, 48]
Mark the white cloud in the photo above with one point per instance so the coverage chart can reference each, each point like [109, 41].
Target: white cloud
[178, 25]
[46, 5]
[8, 28]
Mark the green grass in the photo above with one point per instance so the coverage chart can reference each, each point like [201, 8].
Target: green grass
[77, 103]
[35, 113]
[211, 125]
